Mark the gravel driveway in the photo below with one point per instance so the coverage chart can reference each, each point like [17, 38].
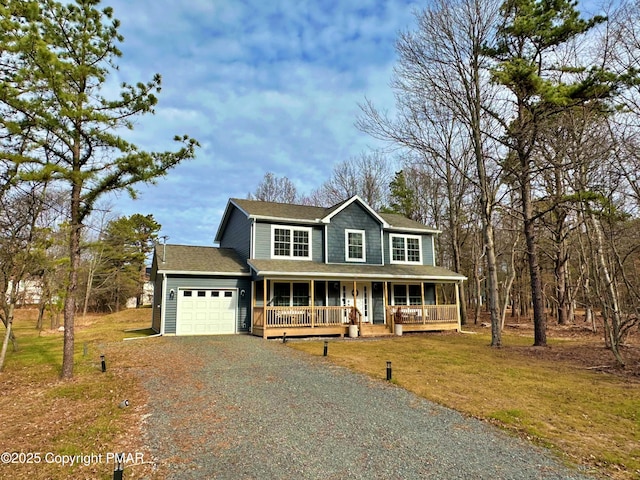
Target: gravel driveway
[237, 407]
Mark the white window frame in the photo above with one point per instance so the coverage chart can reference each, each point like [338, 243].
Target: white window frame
[346, 246]
[404, 238]
[291, 296]
[291, 229]
[407, 296]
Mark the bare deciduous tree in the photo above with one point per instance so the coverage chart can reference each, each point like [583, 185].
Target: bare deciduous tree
[275, 189]
[367, 175]
[440, 76]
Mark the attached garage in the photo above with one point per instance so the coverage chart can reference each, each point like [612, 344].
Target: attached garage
[206, 312]
[200, 291]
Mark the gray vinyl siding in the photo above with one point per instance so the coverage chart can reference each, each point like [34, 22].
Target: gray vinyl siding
[263, 242]
[156, 309]
[428, 255]
[243, 320]
[354, 217]
[237, 234]
[427, 248]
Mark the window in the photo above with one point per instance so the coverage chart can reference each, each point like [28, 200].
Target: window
[406, 295]
[287, 294]
[415, 298]
[281, 294]
[291, 243]
[354, 245]
[405, 248]
[399, 294]
[300, 296]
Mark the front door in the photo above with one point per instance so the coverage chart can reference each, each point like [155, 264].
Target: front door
[363, 298]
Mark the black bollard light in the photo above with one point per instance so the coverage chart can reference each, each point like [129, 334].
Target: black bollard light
[326, 347]
[284, 337]
[118, 471]
[104, 364]
[388, 371]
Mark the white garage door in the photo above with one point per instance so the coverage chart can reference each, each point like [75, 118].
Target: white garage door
[206, 312]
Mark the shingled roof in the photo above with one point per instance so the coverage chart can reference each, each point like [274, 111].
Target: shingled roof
[312, 214]
[297, 268]
[191, 259]
[280, 210]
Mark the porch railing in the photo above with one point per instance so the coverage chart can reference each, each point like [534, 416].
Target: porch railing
[423, 314]
[301, 316]
[335, 316]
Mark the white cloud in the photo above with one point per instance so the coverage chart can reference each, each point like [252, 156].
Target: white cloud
[264, 86]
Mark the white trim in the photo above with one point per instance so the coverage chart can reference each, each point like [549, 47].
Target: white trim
[204, 272]
[274, 275]
[419, 231]
[353, 199]
[347, 258]
[325, 243]
[252, 247]
[405, 237]
[433, 251]
[291, 229]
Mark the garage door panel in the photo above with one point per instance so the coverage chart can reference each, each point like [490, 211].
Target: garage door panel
[206, 312]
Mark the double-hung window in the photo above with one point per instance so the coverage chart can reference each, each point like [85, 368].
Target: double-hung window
[287, 294]
[291, 242]
[406, 294]
[355, 248]
[406, 248]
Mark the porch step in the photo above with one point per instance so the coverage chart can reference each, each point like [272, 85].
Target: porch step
[368, 330]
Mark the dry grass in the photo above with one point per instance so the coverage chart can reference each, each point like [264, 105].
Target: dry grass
[546, 395]
[586, 416]
[43, 415]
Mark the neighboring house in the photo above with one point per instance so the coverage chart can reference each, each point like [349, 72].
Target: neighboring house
[147, 295]
[29, 291]
[301, 270]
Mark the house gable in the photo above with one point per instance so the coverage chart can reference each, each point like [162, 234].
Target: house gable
[237, 232]
[357, 219]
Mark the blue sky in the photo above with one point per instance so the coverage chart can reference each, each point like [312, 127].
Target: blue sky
[262, 85]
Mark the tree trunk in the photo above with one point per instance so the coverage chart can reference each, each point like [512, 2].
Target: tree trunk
[539, 320]
[8, 335]
[87, 293]
[611, 305]
[72, 286]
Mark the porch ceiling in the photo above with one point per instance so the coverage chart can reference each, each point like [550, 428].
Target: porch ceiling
[296, 268]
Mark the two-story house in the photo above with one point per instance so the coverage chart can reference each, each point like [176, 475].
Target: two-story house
[301, 270]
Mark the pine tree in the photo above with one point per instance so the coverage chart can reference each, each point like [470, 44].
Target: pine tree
[528, 40]
[57, 60]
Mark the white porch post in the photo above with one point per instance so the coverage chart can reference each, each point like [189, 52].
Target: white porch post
[313, 304]
[388, 319]
[264, 303]
[458, 305]
[422, 301]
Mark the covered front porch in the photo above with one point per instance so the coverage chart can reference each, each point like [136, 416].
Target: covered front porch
[322, 307]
